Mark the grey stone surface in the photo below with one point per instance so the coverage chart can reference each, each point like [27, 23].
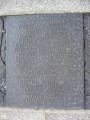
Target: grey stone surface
[28, 114]
[87, 59]
[21, 114]
[69, 115]
[18, 7]
[45, 61]
[87, 45]
[87, 102]
[87, 87]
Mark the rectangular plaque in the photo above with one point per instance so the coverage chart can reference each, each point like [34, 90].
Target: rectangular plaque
[45, 61]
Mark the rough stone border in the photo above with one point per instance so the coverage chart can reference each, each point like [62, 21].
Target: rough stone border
[18, 7]
[30, 114]
[2, 62]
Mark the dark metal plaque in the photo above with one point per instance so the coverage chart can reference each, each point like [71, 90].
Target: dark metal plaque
[45, 61]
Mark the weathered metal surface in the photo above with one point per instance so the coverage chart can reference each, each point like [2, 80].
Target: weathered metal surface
[45, 61]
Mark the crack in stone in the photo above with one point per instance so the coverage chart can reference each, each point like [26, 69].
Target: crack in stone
[2, 59]
[87, 56]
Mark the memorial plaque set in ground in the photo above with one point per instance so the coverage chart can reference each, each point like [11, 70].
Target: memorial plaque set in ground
[44, 59]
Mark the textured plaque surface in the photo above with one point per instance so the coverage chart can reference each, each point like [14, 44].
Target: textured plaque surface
[45, 61]
[87, 59]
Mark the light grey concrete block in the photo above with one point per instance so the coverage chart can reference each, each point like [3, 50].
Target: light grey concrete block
[69, 115]
[28, 114]
[17, 114]
[17, 7]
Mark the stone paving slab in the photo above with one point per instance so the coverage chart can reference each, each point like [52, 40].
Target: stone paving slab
[19, 7]
[68, 116]
[30, 114]
[10, 114]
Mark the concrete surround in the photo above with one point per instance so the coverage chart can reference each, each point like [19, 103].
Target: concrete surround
[18, 7]
[30, 114]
